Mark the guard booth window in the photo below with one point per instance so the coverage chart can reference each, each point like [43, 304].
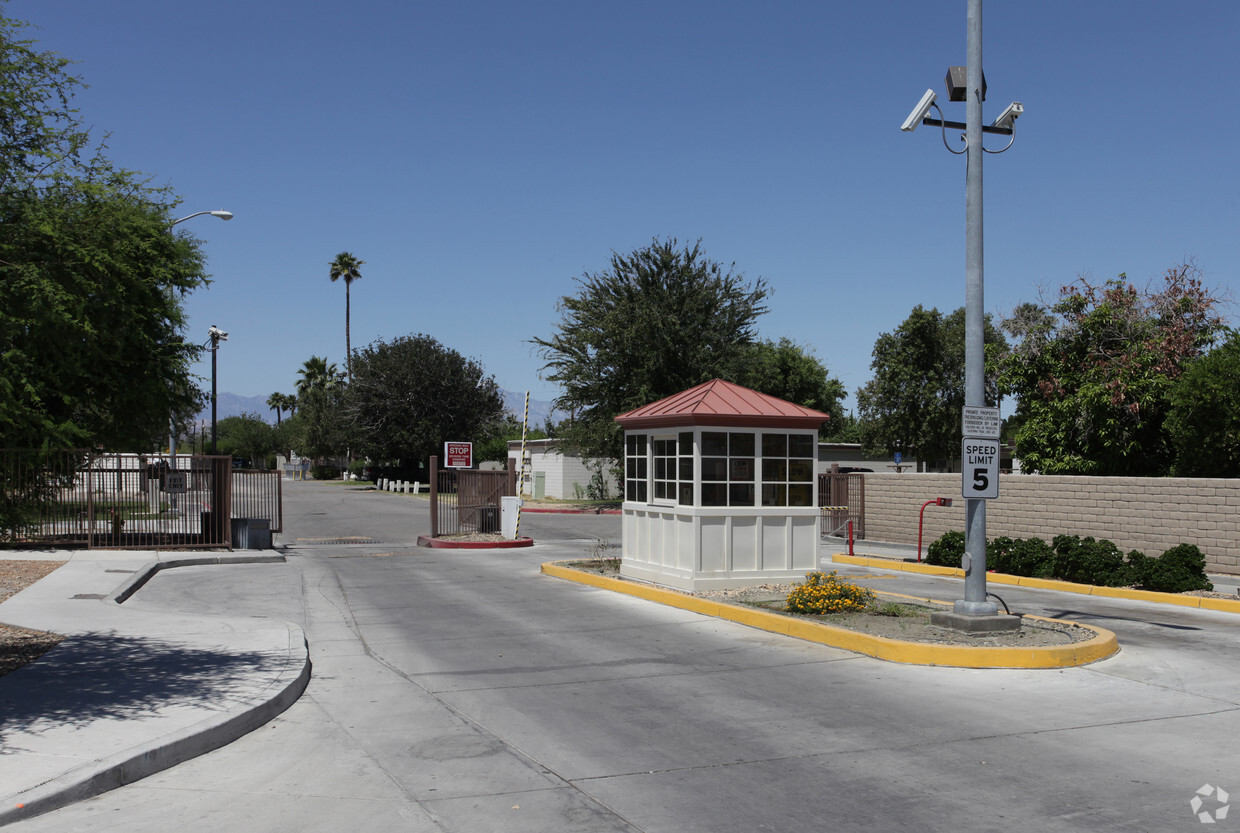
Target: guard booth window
[665, 467]
[635, 468]
[727, 468]
[787, 469]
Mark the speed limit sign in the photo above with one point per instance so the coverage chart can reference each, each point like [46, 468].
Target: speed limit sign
[979, 460]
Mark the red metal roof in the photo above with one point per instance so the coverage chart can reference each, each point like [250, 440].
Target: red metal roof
[722, 403]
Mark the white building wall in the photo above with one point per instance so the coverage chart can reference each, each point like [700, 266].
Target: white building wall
[561, 472]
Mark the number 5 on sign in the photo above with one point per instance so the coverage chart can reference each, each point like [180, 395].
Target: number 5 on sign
[979, 459]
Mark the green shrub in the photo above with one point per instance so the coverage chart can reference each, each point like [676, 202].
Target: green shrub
[947, 551]
[1177, 570]
[1020, 557]
[322, 471]
[827, 594]
[1088, 561]
[1082, 560]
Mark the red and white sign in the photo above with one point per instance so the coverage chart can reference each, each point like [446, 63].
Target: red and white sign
[458, 455]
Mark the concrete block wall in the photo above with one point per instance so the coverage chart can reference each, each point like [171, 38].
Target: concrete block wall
[1149, 514]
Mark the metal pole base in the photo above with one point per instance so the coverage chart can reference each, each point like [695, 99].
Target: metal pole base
[977, 624]
[964, 607]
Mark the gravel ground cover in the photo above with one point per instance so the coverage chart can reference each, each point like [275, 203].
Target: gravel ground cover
[893, 617]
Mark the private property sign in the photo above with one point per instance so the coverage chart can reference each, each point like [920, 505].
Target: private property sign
[979, 458]
[458, 455]
[980, 422]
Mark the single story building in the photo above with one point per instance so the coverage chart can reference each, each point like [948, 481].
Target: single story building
[551, 474]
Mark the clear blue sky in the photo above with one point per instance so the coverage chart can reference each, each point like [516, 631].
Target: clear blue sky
[481, 155]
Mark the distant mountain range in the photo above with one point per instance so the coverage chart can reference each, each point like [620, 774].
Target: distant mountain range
[230, 404]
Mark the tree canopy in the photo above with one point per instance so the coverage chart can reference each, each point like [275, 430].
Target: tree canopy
[660, 319]
[249, 437]
[412, 394]
[1203, 423]
[1094, 372]
[915, 400]
[790, 372]
[92, 278]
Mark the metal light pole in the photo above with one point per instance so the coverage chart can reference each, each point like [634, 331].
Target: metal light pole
[975, 602]
[217, 335]
[172, 429]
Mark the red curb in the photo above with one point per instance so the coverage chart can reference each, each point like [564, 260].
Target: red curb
[441, 544]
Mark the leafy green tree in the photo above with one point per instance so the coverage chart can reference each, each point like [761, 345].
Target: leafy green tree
[412, 394]
[319, 430]
[1095, 370]
[915, 400]
[92, 279]
[493, 441]
[790, 372]
[659, 320]
[1203, 422]
[248, 437]
[846, 429]
[347, 267]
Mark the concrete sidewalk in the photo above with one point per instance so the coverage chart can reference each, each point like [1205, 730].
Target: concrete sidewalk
[130, 692]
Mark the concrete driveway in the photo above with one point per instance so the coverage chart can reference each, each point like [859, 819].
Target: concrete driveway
[461, 690]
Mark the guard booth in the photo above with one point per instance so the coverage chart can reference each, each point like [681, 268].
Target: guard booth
[720, 489]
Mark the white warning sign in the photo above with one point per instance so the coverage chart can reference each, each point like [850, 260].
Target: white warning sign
[979, 458]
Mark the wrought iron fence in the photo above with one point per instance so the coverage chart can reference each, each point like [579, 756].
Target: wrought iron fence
[466, 501]
[841, 498]
[132, 501]
[259, 495]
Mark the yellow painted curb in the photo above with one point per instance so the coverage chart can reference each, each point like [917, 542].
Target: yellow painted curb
[1203, 602]
[894, 650]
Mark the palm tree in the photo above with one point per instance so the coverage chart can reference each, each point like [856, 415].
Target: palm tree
[346, 266]
[317, 373]
[277, 402]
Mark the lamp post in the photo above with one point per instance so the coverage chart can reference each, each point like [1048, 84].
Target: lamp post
[972, 92]
[172, 430]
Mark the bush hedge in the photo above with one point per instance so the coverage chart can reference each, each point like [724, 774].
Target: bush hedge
[322, 471]
[1082, 560]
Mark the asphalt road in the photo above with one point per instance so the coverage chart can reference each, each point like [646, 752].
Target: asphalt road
[460, 690]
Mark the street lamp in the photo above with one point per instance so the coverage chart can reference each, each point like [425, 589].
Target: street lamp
[216, 335]
[223, 215]
[171, 427]
[172, 430]
[975, 611]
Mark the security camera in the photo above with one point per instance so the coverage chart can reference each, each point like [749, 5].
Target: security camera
[1007, 119]
[919, 112]
[216, 333]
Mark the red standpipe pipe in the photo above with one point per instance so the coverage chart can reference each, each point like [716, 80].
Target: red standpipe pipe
[921, 519]
[938, 501]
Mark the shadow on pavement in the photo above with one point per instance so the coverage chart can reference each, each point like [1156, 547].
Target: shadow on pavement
[104, 675]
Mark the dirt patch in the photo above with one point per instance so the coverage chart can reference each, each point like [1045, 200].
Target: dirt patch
[19, 646]
[893, 617]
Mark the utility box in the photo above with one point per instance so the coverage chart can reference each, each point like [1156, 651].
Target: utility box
[511, 509]
[251, 533]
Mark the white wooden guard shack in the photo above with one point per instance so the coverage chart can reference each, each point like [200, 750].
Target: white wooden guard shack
[719, 489]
